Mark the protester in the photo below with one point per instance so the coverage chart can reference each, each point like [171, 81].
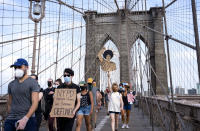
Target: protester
[23, 99]
[86, 107]
[121, 88]
[128, 100]
[106, 99]
[97, 102]
[66, 124]
[58, 82]
[102, 99]
[89, 82]
[48, 97]
[115, 106]
[38, 112]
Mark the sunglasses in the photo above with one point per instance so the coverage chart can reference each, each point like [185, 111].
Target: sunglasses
[67, 75]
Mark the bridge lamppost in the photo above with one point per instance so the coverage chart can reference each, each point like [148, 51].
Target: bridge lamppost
[36, 14]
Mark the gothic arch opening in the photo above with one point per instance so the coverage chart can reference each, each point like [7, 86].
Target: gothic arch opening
[115, 75]
[140, 73]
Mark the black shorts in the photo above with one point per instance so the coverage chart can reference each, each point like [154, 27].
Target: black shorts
[113, 112]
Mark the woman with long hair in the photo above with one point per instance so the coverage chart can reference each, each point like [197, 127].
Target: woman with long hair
[115, 106]
[86, 107]
[127, 97]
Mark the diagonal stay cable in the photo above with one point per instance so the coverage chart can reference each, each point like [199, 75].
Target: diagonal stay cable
[164, 90]
[75, 63]
[137, 1]
[60, 59]
[143, 90]
[167, 36]
[116, 4]
[70, 6]
[102, 4]
[48, 33]
[159, 108]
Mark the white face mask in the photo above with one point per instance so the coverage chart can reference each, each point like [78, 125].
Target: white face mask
[55, 86]
[19, 73]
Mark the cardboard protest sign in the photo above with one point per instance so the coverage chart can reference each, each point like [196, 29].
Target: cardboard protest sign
[63, 105]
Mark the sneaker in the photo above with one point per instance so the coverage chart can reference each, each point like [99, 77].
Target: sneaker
[123, 126]
[127, 126]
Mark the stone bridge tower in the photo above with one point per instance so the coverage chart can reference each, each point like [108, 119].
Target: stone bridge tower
[124, 28]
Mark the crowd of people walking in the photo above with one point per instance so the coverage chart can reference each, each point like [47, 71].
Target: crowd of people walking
[28, 103]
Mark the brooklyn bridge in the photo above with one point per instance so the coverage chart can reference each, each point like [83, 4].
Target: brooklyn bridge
[154, 45]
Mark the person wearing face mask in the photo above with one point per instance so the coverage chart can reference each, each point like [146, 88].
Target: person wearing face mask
[48, 97]
[96, 99]
[38, 112]
[106, 98]
[86, 107]
[23, 99]
[127, 106]
[63, 123]
[58, 82]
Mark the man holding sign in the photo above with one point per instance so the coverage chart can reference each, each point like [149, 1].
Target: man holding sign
[67, 97]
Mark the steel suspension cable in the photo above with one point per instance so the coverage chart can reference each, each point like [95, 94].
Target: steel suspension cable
[164, 90]
[58, 36]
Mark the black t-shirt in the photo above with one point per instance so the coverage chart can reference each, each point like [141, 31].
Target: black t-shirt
[102, 94]
[48, 98]
[85, 100]
[71, 86]
[48, 101]
[125, 100]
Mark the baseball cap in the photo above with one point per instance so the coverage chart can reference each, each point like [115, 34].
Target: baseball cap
[19, 62]
[90, 80]
[82, 83]
[125, 84]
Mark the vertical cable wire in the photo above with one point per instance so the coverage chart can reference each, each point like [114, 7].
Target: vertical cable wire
[39, 46]
[72, 37]
[58, 36]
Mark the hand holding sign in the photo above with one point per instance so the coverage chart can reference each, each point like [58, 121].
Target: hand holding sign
[64, 101]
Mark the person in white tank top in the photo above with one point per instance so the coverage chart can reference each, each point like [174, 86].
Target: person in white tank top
[115, 106]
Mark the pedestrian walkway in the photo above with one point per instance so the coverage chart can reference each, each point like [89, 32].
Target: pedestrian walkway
[138, 122]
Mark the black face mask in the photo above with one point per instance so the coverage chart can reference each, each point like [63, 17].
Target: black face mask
[49, 84]
[83, 88]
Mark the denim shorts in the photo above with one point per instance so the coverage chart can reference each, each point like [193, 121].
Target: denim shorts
[127, 107]
[85, 110]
